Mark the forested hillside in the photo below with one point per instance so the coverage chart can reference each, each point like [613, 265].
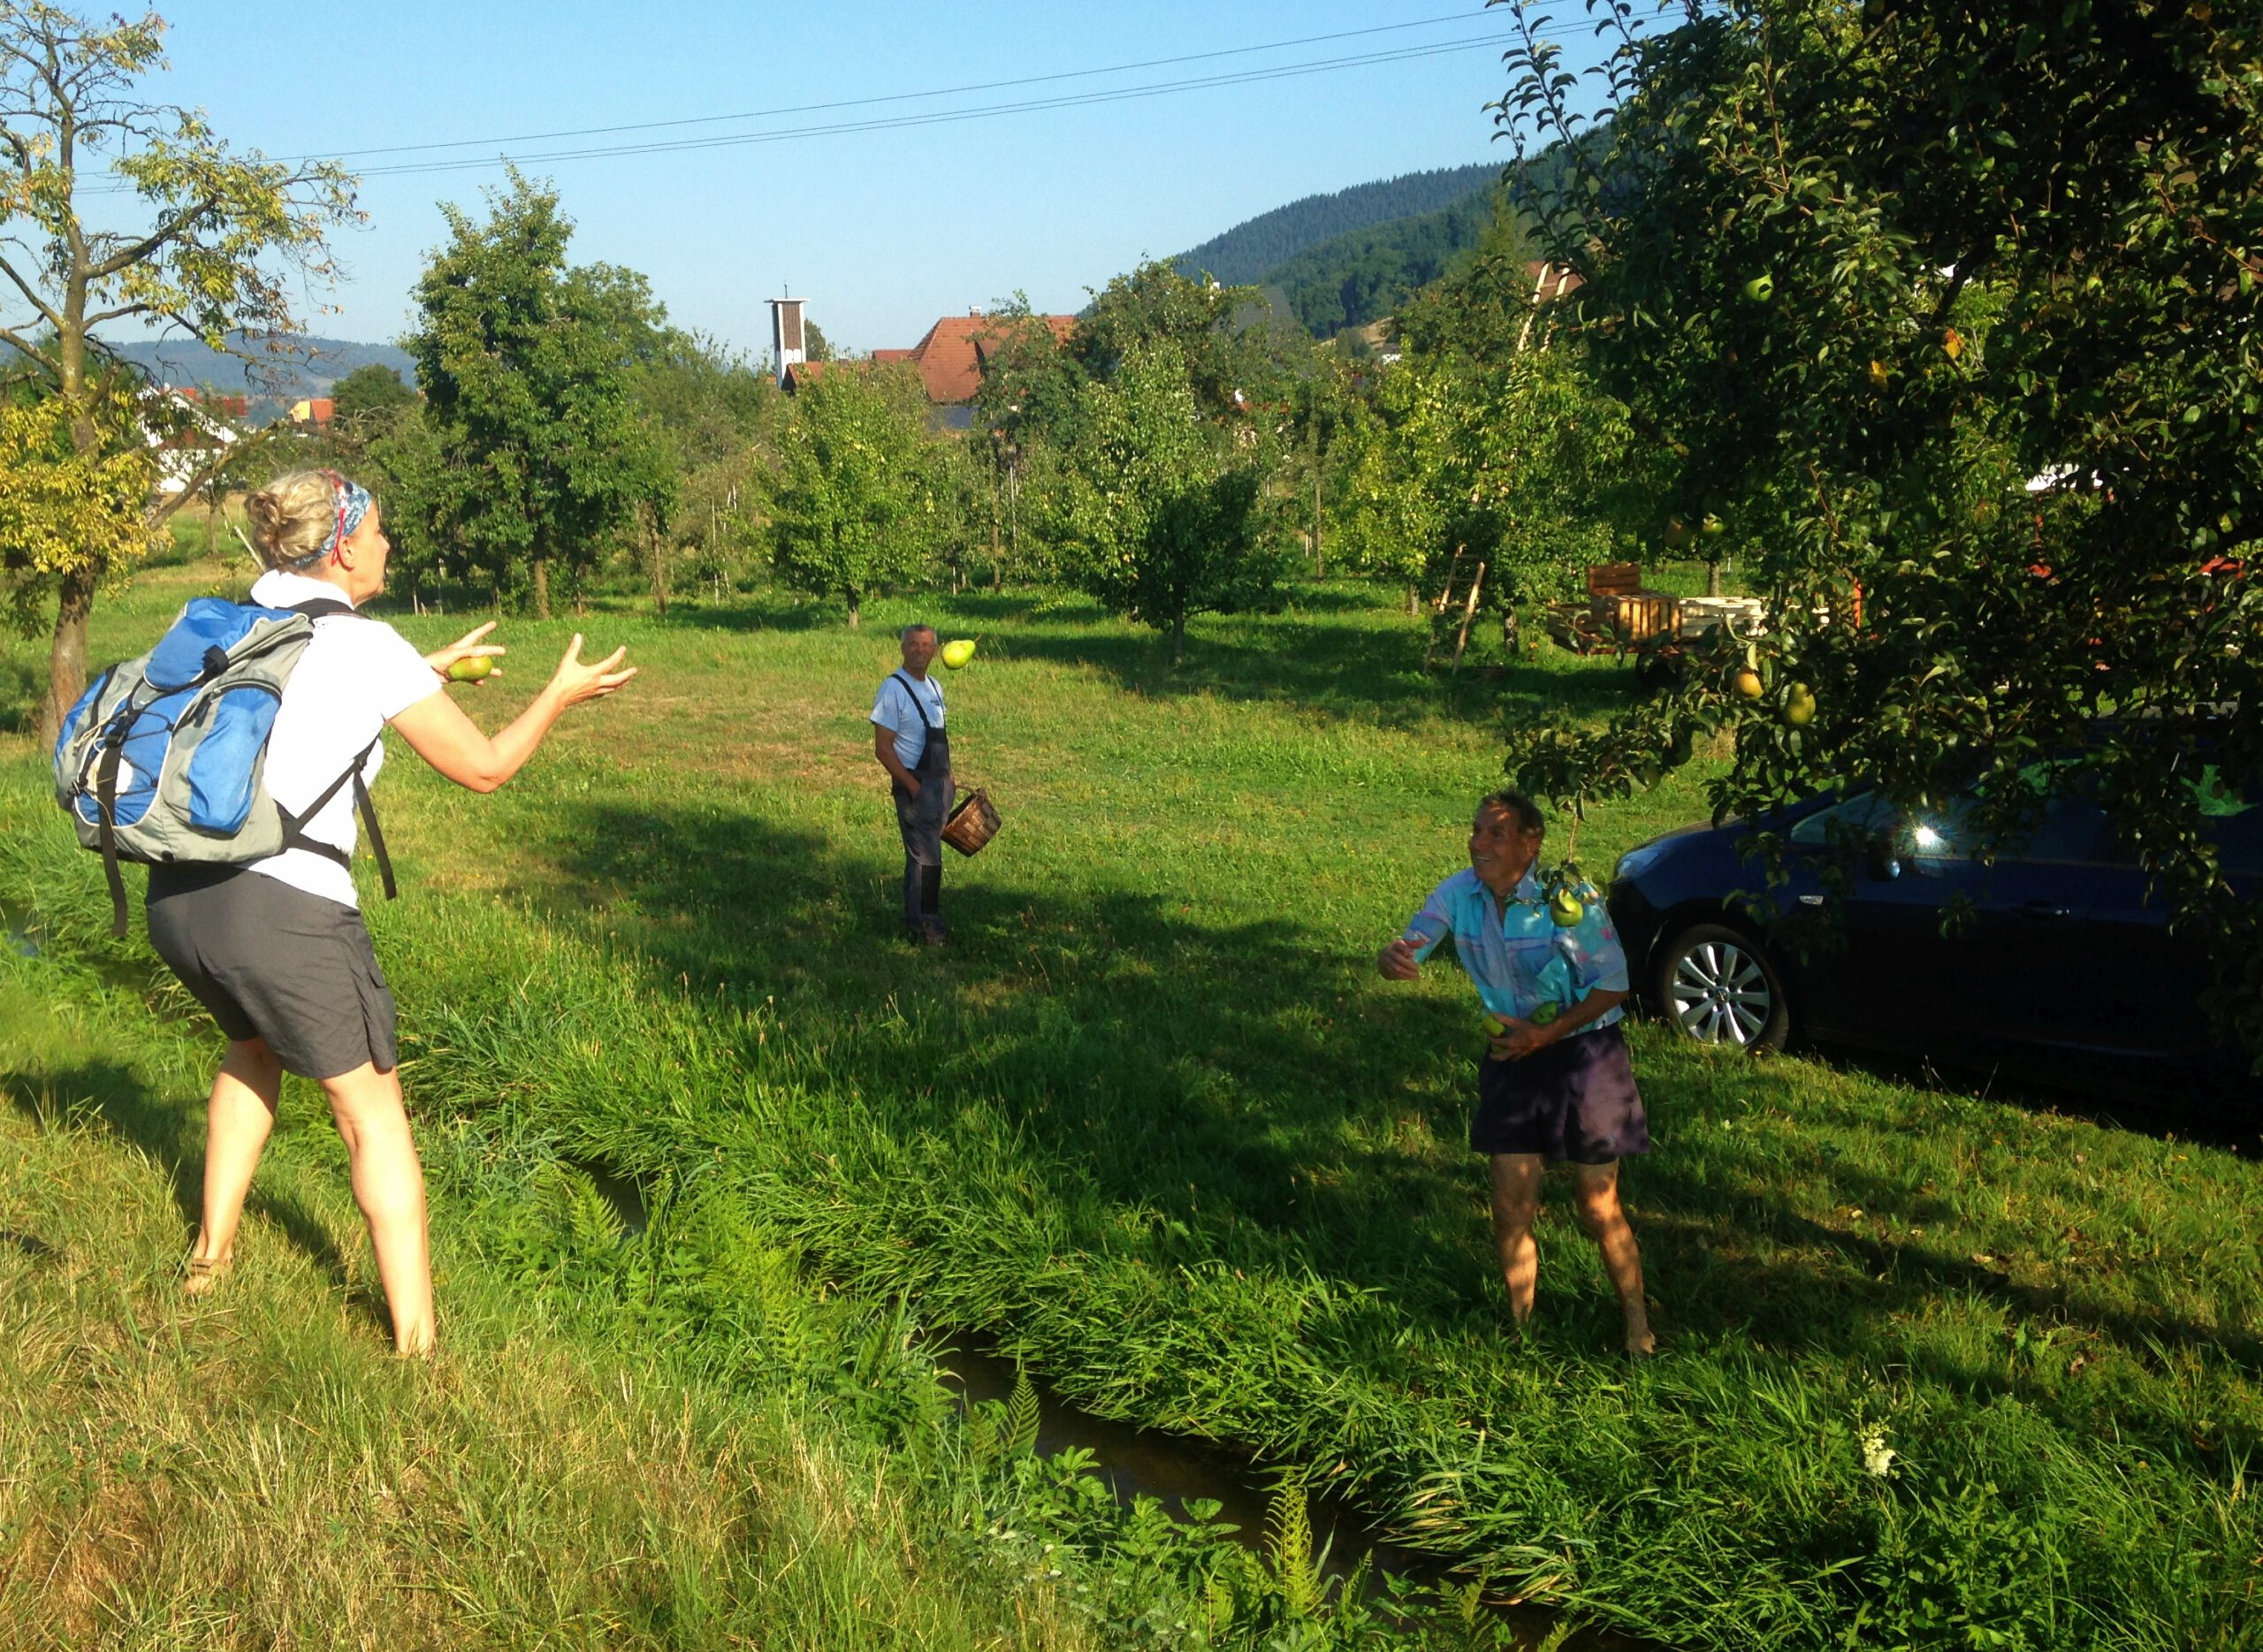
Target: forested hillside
[1354, 278]
[1247, 253]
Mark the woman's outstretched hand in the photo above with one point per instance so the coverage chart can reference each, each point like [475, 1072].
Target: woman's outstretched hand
[574, 681]
[468, 647]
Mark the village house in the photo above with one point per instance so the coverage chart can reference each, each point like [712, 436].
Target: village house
[949, 359]
[189, 429]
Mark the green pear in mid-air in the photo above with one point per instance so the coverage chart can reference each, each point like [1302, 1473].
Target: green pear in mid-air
[471, 667]
[956, 654]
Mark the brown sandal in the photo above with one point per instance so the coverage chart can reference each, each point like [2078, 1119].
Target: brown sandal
[203, 1275]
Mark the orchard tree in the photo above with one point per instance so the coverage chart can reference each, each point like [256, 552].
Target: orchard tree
[54, 495]
[857, 508]
[201, 240]
[524, 364]
[366, 397]
[1157, 512]
[1514, 462]
[1948, 312]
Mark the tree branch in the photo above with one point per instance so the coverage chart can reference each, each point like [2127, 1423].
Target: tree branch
[9, 336]
[127, 256]
[46, 311]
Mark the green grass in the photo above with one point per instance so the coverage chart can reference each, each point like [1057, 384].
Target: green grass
[1155, 1126]
[256, 1470]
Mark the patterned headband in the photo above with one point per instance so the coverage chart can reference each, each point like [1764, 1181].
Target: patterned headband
[352, 505]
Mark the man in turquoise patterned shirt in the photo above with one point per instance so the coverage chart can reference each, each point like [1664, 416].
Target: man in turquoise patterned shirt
[1555, 1085]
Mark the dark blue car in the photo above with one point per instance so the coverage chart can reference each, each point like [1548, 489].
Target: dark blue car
[2066, 968]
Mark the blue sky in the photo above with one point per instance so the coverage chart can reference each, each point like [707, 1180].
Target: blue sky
[880, 230]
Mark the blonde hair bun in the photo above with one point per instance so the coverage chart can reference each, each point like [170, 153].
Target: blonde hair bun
[292, 517]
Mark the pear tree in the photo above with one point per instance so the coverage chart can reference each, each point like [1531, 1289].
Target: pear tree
[1948, 314]
[119, 213]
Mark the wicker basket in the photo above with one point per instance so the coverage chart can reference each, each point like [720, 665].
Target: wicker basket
[973, 822]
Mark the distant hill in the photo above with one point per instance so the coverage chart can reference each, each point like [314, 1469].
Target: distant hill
[1247, 254]
[315, 365]
[1354, 279]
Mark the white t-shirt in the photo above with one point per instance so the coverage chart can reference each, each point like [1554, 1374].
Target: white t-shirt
[356, 676]
[893, 709]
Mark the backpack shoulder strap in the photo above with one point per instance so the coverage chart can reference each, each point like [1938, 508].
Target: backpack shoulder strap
[294, 834]
[324, 607]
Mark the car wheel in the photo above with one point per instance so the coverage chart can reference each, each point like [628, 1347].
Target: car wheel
[1718, 986]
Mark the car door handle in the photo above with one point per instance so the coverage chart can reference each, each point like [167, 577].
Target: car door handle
[2042, 910]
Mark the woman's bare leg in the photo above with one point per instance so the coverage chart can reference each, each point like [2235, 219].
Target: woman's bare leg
[388, 1186]
[1594, 1187]
[1516, 1201]
[237, 1118]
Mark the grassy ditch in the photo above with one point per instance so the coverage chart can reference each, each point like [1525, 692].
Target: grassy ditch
[1154, 1125]
[670, 1438]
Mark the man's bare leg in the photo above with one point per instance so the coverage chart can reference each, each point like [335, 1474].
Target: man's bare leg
[1516, 1201]
[1595, 1189]
[237, 1118]
[388, 1186]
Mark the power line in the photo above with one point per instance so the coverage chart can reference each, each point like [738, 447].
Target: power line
[891, 97]
[944, 117]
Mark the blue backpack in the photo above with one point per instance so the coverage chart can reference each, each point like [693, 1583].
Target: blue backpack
[163, 759]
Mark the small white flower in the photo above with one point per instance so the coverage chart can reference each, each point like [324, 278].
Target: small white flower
[1878, 1457]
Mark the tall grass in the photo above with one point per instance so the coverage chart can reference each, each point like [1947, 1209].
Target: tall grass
[1153, 1128]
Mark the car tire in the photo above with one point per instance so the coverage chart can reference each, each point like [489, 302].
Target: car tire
[1718, 986]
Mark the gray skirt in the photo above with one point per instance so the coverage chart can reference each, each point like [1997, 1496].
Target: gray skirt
[1573, 1100]
[276, 963]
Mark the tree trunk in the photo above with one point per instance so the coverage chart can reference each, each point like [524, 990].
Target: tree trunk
[855, 612]
[660, 566]
[1712, 579]
[542, 588]
[1414, 600]
[1178, 637]
[1319, 556]
[66, 659]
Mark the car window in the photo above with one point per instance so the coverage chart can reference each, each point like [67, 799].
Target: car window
[2072, 829]
[2231, 817]
[1849, 822]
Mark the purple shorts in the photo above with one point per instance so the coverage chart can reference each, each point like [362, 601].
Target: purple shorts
[1573, 1100]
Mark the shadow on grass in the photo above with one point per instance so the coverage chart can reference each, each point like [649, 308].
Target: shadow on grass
[1201, 1071]
[2170, 1105]
[20, 692]
[1355, 672]
[171, 1133]
[1334, 652]
[1230, 1088]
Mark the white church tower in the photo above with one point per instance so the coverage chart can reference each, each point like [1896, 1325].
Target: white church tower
[786, 346]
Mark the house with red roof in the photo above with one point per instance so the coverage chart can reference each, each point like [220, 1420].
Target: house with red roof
[950, 360]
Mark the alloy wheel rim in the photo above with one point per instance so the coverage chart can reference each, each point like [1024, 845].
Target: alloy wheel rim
[1720, 994]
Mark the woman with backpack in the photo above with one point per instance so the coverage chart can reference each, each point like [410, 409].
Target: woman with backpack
[276, 949]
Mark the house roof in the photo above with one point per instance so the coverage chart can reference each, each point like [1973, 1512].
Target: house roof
[949, 358]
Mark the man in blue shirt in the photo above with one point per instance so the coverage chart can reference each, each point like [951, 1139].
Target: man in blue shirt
[1555, 1084]
[909, 741]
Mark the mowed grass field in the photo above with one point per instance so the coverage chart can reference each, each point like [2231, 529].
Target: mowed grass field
[1154, 1125]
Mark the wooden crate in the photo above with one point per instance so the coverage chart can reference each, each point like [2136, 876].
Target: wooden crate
[1638, 616]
